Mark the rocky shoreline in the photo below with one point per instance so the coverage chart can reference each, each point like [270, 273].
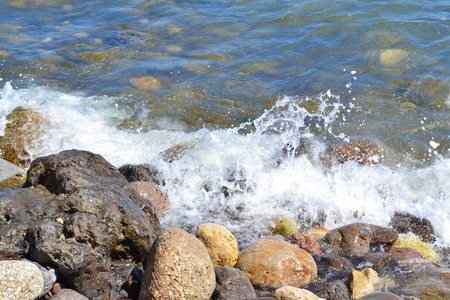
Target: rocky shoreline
[76, 227]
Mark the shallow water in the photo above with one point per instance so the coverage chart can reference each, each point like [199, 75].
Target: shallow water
[234, 82]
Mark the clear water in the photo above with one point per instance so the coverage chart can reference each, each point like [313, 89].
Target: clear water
[238, 80]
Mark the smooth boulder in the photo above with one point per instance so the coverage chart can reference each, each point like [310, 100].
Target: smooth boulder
[178, 267]
[272, 262]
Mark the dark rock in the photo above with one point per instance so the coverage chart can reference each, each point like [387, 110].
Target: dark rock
[93, 227]
[22, 129]
[357, 239]
[422, 227]
[331, 290]
[333, 267]
[175, 152]
[306, 242]
[141, 173]
[20, 209]
[232, 284]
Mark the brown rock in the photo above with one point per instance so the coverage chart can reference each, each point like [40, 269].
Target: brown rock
[271, 262]
[381, 296]
[152, 193]
[220, 243]
[145, 83]
[306, 242]
[22, 130]
[178, 267]
[364, 151]
[350, 240]
[356, 239]
[407, 257]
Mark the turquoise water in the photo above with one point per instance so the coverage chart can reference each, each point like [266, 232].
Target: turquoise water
[236, 81]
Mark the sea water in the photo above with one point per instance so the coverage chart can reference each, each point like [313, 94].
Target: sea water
[238, 82]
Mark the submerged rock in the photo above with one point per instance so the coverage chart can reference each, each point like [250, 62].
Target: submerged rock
[22, 279]
[271, 262]
[364, 151]
[24, 127]
[429, 92]
[80, 216]
[220, 244]
[178, 267]
[145, 83]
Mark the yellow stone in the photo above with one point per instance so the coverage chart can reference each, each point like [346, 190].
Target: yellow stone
[220, 244]
[285, 226]
[360, 285]
[60, 221]
[145, 83]
[411, 242]
[3, 53]
[174, 49]
[390, 57]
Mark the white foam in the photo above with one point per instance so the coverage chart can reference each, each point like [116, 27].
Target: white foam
[299, 187]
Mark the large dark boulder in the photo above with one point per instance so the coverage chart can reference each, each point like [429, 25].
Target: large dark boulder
[79, 215]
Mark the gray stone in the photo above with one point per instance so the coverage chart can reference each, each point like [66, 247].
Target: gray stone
[232, 284]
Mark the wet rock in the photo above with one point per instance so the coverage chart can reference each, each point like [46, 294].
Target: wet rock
[232, 284]
[361, 284]
[306, 242]
[220, 244]
[237, 182]
[176, 256]
[392, 57]
[364, 151]
[148, 190]
[24, 127]
[141, 173]
[411, 242]
[293, 293]
[356, 239]
[422, 227]
[317, 233]
[11, 176]
[68, 294]
[284, 226]
[145, 83]
[332, 290]
[381, 296]
[431, 284]
[22, 279]
[335, 261]
[428, 91]
[175, 152]
[20, 209]
[271, 262]
[107, 226]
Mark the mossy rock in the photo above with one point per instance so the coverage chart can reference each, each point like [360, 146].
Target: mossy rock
[412, 242]
[284, 226]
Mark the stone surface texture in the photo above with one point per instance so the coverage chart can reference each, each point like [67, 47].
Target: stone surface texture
[23, 127]
[68, 294]
[363, 150]
[232, 284]
[178, 267]
[22, 279]
[272, 262]
[356, 239]
[306, 242]
[79, 215]
[220, 243]
[152, 193]
[293, 293]
[360, 284]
